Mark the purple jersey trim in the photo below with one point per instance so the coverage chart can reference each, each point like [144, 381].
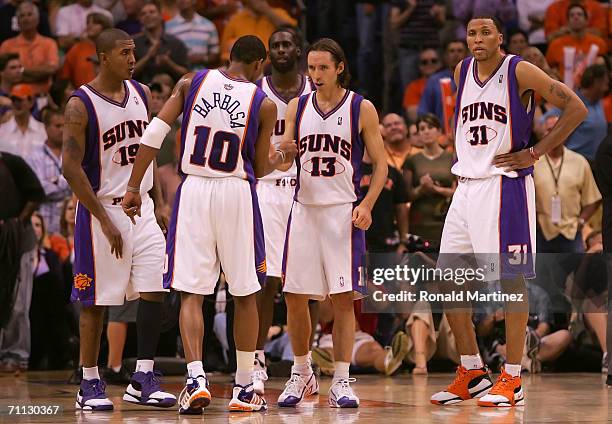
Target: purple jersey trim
[465, 64]
[357, 147]
[491, 75]
[358, 250]
[521, 121]
[258, 83]
[91, 158]
[286, 248]
[196, 82]
[171, 238]
[334, 110]
[514, 228]
[278, 95]
[301, 107]
[84, 268]
[251, 133]
[121, 104]
[141, 92]
[259, 244]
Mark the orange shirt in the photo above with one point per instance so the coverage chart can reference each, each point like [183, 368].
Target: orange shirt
[60, 246]
[413, 92]
[40, 51]
[607, 105]
[246, 22]
[76, 67]
[554, 55]
[556, 16]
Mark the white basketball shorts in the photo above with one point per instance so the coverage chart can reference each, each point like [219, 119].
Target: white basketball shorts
[275, 200]
[215, 225]
[323, 251]
[102, 279]
[493, 218]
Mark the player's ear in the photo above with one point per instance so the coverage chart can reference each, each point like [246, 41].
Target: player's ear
[340, 68]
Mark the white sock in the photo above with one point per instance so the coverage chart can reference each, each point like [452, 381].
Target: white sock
[244, 367]
[513, 369]
[144, 365]
[341, 370]
[260, 355]
[91, 373]
[116, 369]
[195, 369]
[301, 365]
[471, 362]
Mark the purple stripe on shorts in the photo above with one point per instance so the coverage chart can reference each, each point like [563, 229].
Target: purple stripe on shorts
[520, 119]
[286, 247]
[358, 249]
[196, 82]
[298, 119]
[514, 233]
[357, 146]
[84, 269]
[91, 158]
[258, 238]
[250, 134]
[171, 238]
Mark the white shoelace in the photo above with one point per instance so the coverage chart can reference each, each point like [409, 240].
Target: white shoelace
[344, 388]
[294, 386]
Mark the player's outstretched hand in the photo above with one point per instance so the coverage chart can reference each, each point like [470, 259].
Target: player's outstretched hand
[131, 205]
[514, 161]
[162, 215]
[289, 148]
[362, 217]
[114, 237]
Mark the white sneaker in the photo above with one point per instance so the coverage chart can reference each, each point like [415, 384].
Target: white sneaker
[297, 388]
[259, 376]
[341, 395]
[194, 396]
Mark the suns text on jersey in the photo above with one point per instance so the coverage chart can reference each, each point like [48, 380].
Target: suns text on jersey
[224, 102]
[326, 143]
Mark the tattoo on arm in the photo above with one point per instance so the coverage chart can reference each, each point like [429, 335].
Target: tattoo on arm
[558, 91]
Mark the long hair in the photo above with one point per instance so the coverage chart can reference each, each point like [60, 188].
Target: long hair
[331, 46]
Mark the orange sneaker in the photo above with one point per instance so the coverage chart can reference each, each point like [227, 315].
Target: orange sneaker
[468, 384]
[507, 391]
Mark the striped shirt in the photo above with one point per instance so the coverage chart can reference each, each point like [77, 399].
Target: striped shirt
[199, 35]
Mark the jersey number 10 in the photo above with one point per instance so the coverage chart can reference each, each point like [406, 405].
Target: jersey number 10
[223, 153]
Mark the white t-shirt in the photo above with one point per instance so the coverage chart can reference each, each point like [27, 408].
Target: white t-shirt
[13, 140]
[72, 19]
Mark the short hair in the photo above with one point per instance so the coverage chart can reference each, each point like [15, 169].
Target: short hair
[48, 113]
[496, 21]
[572, 6]
[155, 3]
[6, 58]
[248, 49]
[454, 40]
[333, 48]
[430, 119]
[108, 38]
[297, 38]
[515, 31]
[31, 3]
[591, 74]
[100, 19]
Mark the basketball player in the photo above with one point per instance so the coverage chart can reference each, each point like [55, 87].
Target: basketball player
[493, 209]
[275, 190]
[227, 124]
[113, 259]
[325, 237]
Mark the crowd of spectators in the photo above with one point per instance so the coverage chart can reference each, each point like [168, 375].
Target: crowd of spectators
[402, 54]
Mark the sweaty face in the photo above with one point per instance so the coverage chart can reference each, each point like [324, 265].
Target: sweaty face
[323, 70]
[483, 39]
[283, 51]
[394, 128]
[120, 60]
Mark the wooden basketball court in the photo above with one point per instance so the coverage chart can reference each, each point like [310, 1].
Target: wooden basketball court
[551, 398]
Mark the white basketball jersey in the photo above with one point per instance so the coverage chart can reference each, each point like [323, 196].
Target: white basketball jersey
[220, 126]
[113, 138]
[330, 151]
[490, 119]
[281, 109]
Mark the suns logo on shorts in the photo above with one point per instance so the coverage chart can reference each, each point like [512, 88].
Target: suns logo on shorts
[82, 281]
[261, 268]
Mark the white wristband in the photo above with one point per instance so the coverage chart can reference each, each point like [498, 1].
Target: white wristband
[155, 133]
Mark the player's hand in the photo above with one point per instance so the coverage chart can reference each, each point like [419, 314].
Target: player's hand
[114, 237]
[162, 215]
[362, 217]
[131, 205]
[513, 161]
[290, 149]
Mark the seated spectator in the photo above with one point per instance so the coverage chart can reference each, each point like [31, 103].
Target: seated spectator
[556, 18]
[46, 161]
[415, 25]
[429, 182]
[256, 18]
[464, 11]
[397, 143]
[429, 63]
[71, 22]
[131, 24]
[415, 138]
[78, 68]
[571, 53]
[157, 51]
[197, 33]
[10, 75]
[440, 90]
[535, 56]
[531, 19]
[22, 134]
[38, 54]
[517, 41]
[9, 26]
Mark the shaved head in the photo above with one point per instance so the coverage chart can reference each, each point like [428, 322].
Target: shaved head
[107, 40]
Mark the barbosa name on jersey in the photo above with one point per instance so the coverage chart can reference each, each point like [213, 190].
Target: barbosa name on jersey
[224, 102]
